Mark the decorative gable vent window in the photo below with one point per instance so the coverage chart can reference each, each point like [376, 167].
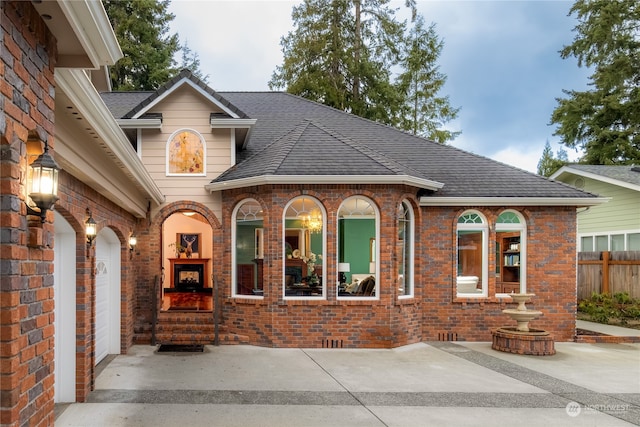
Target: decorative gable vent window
[511, 253]
[186, 151]
[248, 242]
[472, 251]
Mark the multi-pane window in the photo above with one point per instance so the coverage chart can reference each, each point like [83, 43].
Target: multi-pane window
[404, 248]
[357, 248]
[511, 253]
[247, 256]
[303, 246]
[472, 250]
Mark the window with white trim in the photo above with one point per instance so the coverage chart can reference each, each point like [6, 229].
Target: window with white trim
[186, 154]
[358, 253]
[511, 247]
[304, 247]
[472, 255]
[404, 248]
[247, 235]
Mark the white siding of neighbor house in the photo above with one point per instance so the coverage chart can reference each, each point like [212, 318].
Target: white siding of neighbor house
[185, 108]
[621, 213]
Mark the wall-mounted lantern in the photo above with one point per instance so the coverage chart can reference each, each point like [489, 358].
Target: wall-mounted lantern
[42, 184]
[91, 228]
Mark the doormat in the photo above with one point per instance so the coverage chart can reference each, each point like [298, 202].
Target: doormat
[181, 348]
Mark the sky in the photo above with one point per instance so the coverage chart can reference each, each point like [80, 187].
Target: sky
[501, 59]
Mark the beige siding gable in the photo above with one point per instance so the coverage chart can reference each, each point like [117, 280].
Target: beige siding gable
[186, 108]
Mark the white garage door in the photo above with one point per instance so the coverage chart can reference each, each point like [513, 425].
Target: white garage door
[102, 309]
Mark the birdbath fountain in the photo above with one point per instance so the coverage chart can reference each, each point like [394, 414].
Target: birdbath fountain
[522, 339]
[521, 314]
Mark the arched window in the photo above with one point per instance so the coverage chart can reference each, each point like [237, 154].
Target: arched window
[358, 230]
[404, 247]
[186, 154]
[472, 249]
[304, 248]
[511, 248]
[247, 239]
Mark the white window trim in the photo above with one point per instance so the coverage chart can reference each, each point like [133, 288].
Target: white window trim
[484, 227]
[377, 251]
[412, 249]
[522, 228]
[608, 234]
[234, 265]
[204, 154]
[319, 206]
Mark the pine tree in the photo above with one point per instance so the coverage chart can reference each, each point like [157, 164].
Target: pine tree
[190, 60]
[425, 113]
[548, 164]
[605, 120]
[340, 54]
[142, 27]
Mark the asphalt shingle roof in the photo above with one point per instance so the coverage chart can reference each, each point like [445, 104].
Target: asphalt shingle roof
[294, 136]
[629, 174]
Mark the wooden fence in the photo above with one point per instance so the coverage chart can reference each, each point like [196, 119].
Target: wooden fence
[608, 272]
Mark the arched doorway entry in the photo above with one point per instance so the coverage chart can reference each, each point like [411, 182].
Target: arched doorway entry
[64, 297]
[107, 304]
[187, 262]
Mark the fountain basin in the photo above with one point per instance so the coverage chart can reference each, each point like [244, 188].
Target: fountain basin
[535, 342]
[523, 317]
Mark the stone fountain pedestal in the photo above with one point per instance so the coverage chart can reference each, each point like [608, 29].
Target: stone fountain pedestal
[521, 339]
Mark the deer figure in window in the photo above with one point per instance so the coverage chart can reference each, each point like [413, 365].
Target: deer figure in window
[189, 240]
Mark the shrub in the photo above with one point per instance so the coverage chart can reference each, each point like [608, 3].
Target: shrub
[602, 307]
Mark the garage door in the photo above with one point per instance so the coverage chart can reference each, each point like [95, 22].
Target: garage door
[102, 309]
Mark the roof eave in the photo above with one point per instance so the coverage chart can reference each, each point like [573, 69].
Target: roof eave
[512, 201]
[79, 89]
[569, 170]
[232, 123]
[324, 179]
[140, 123]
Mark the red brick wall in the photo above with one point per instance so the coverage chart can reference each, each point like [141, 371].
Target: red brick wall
[75, 198]
[26, 289]
[390, 322]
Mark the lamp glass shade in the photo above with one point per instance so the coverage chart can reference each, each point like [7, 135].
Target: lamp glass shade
[344, 267]
[90, 228]
[133, 241]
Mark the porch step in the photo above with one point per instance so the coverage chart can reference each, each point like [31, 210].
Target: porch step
[193, 328]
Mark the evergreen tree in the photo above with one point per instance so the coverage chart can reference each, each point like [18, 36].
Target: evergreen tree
[424, 112]
[605, 120]
[142, 29]
[191, 60]
[548, 164]
[341, 53]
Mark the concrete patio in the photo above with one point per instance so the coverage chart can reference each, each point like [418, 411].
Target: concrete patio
[439, 383]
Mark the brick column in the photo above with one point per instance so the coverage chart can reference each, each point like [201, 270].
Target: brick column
[26, 248]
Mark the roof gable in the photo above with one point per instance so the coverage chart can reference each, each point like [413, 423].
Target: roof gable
[621, 175]
[185, 77]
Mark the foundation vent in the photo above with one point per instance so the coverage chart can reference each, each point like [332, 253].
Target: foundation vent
[447, 336]
[327, 343]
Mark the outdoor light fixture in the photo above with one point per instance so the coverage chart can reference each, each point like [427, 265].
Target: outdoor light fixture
[91, 228]
[42, 184]
[133, 241]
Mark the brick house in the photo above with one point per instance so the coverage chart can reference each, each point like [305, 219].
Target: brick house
[270, 219]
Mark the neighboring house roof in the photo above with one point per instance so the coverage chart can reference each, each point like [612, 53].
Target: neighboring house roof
[295, 140]
[627, 176]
